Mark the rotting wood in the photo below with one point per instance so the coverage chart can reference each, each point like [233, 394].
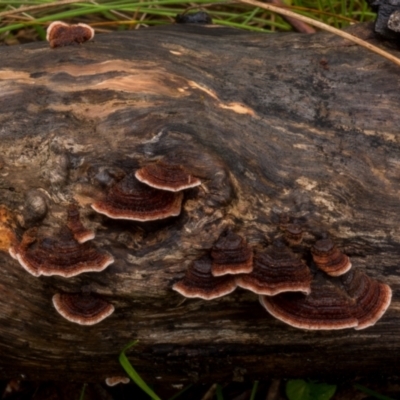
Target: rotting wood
[301, 124]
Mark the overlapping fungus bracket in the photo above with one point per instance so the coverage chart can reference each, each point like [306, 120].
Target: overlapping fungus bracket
[132, 200]
[199, 282]
[59, 255]
[329, 258]
[82, 308]
[81, 234]
[325, 308]
[231, 255]
[166, 176]
[277, 270]
[372, 298]
[61, 34]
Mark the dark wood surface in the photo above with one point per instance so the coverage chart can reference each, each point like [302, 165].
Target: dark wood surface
[304, 124]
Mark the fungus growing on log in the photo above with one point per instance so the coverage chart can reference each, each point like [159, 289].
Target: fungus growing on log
[82, 309]
[199, 282]
[165, 176]
[275, 271]
[61, 255]
[329, 258]
[326, 307]
[231, 255]
[81, 234]
[132, 200]
[61, 34]
[293, 233]
[116, 380]
[372, 298]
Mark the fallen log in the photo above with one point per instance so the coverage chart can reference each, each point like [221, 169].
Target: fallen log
[273, 125]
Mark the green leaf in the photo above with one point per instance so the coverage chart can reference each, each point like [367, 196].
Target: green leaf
[298, 389]
[126, 365]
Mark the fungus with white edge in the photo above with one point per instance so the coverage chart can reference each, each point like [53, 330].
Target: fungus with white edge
[165, 176]
[231, 255]
[81, 234]
[116, 380]
[61, 34]
[132, 200]
[199, 282]
[82, 308]
[276, 270]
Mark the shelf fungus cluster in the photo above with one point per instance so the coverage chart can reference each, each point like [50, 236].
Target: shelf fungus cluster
[60, 34]
[325, 295]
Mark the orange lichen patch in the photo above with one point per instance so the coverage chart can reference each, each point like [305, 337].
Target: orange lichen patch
[61, 34]
[7, 226]
[329, 258]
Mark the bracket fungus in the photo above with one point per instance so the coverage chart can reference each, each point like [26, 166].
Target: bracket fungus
[116, 380]
[231, 255]
[81, 234]
[61, 34]
[199, 282]
[132, 200]
[372, 298]
[325, 308]
[165, 176]
[61, 255]
[82, 309]
[276, 270]
[329, 258]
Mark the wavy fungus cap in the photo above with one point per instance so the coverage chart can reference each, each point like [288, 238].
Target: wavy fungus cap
[199, 282]
[275, 271]
[132, 200]
[81, 234]
[329, 258]
[327, 307]
[116, 380]
[60, 255]
[165, 176]
[231, 255]
[61, 34]
[82, 309]
[372, 298]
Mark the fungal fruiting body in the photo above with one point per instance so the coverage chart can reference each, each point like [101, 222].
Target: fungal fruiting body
[276, 270]
[81, 234]
[132, 200]
[165, 176]
[329, 258]
[231, 255]
[199, 282]
[82, 309]
[61, 34]
[60, 255]
[116, 380]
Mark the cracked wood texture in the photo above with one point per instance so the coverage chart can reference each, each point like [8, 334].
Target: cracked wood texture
[303, 124]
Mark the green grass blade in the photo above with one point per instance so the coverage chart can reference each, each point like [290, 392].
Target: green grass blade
[218, 392]
[127, 366]
[82, 396]
[175, 396]
[370, 392]
[254, 390]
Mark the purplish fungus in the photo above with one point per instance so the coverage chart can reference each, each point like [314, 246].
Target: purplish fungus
[82, 309]
[61, 34]
[231, 255]
[60, 255]
[81, 234]
[116, 380]
[132, 200]
[372, 298]
[164, 176]
[329, 258]
[199, 282]
[327, 307]
[276, 270]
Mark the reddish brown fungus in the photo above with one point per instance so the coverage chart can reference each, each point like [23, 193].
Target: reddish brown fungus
[231, 255]
[199, 282]
[372, 298]
[164, 176]
[81, 234]
[325, 308]
[60, 255]
[132, 200]
[329, 258]
[293, 233]
[82, 309]
[277, 270]
[61, 34]
[116, 380]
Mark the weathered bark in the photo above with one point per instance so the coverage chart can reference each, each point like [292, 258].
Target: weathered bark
[305, 124]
